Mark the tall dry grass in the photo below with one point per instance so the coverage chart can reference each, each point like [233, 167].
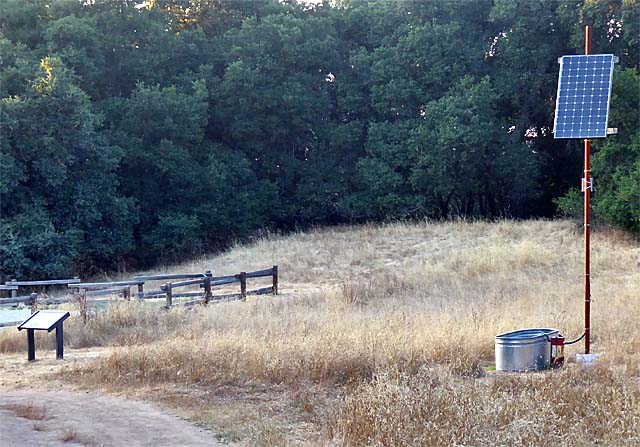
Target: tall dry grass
[120, 324]
[573, 407]
[401, 318]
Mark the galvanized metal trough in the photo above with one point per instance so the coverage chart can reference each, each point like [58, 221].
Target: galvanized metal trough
[524, 349]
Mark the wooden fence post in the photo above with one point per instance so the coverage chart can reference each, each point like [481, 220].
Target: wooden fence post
[207, 286]
[243, 286]
[169, 293]
[75, 291]
[14, 293]
[83, 304]
[275, 279]
[34, 303]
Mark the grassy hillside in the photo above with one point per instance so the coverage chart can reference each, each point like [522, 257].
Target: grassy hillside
[383, 335]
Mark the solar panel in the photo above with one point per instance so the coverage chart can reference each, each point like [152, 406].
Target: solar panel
[584, 93]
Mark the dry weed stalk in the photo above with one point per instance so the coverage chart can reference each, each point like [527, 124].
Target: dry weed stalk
[28, 411]
[68, 435]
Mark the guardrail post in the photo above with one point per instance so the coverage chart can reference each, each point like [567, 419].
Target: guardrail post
[275, 279]
[140, 291]
[34, 303]
[14, 293]
[207, 286]
[126, 293]
[169, 293]
[243, 286]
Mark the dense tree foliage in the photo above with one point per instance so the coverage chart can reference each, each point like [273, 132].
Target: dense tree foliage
[134, 132]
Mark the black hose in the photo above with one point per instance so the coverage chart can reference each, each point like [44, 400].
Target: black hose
[576, 340]
[568, 342]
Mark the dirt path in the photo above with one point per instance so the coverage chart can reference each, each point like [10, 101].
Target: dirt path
[62, 418]
[38, 409]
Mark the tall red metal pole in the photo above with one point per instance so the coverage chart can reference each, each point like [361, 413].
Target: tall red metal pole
[587, 222]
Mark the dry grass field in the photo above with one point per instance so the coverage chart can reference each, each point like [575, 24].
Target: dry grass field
[383, 336]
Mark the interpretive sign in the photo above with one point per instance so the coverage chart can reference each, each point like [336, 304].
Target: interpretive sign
[45, 320]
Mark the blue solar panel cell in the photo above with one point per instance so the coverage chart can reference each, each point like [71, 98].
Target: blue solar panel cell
[584, 93]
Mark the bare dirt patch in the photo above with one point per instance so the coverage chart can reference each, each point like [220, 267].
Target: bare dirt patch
[77, 418]
[39, 407]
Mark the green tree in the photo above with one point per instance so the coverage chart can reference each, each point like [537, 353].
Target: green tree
[161, 129]
[466, 161]
[282, 121]
[616, 163]
[59, 188]
[615, 29]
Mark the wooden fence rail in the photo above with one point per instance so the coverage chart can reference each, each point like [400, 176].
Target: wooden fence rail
[15, 300]
[208, 282]
[10, 323]
[191, 282]
[120, 292]
[48, 282]
[167, 277]
[150, 294]
[103, 285]
[80, 291]
[222, 281]
[14, 284]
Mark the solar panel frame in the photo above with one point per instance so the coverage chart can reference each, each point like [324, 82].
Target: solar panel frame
[598, 75]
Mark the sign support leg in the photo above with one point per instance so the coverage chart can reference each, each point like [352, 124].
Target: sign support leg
[32, 345]
[59, 342]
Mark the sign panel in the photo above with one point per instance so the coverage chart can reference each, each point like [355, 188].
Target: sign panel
[45, 320]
